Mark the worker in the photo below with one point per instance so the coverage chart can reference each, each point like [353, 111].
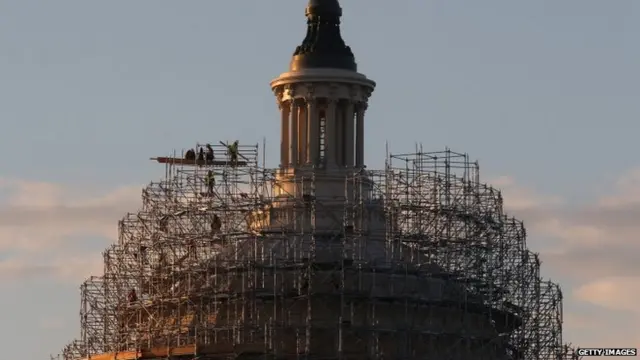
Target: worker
[201, 154]
[216, 224]
[335, 280]
[163, 224]
[210, 156]
[233, 152]
[210, 181]
[190, 155]
[132, 297]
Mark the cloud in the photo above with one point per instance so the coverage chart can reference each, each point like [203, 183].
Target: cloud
[55, 231]
[14, 268]
[595, 247]
[44, 227]
[578, 321]
[522, 198]
[618, 293]
[592, 240]
[63, 265]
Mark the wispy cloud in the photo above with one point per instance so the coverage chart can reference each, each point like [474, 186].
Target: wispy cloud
[617, 293]
[39, 221]
[19, 268]
[522, 198]
[594, 245]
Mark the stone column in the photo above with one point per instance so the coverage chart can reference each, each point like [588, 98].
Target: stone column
[360, 135]
[284, 137]
[330, 141]
[349, 138]
[294, 134]
[313, 132]
[302, 134]
[338, 139]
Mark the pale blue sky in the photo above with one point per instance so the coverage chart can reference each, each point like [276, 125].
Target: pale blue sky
[544, 92]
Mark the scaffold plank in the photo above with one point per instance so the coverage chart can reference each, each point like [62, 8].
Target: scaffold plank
[182, 161]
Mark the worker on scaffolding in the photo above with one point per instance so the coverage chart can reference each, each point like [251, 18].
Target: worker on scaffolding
[209, 156]
[201, 154]
[210, 181]
[190, 155]
[216, 224]
[132, 296]
[232, 150]
[163, 224]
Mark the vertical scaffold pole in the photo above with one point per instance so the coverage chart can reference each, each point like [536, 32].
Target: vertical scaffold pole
[311, 262]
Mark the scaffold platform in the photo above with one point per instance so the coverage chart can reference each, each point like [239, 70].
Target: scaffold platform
[183, 161]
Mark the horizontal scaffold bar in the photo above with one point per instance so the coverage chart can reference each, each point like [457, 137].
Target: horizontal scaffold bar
[181, 161]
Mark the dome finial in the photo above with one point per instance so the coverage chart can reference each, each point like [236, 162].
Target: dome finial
[323, 7]
[323, 46]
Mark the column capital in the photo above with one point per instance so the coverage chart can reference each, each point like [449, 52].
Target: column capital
[278, 92]
[284, 104]
[333, 91]
[333, 100]
[310, 102]
[353, 93]
[289, 91]
[310, 93]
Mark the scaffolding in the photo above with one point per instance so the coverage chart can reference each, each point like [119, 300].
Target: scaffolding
[416, 260]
